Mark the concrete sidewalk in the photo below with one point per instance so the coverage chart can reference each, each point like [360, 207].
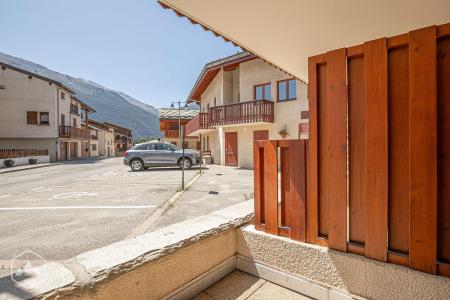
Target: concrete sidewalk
[26, 167]
[217, 188]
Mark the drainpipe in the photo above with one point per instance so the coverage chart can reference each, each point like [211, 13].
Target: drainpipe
[58, 146]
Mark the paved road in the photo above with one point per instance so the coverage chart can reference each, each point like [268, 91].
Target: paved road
[61, 211]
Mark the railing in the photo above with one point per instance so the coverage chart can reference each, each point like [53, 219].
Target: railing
[171, 133]
[244, 112]
[94, 137]
[73, 132]
[16, 153]
[199, 122]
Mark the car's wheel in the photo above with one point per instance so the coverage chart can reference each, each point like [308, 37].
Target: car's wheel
[136, 165]
[186, 162]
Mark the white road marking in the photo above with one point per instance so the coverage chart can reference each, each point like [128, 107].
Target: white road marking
[39, 188]
[78, 207]
[72, 195]
[5, 196]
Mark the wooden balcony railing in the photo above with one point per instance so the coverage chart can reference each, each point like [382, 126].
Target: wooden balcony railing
[171, 133]
[199, 122]
[244, 112]
[73, 132]
[16, 153]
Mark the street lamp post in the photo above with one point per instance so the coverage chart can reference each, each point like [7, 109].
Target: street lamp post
[180, 136]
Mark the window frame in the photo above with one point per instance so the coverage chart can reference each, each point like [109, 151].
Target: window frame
[287, 90]
[48, 117]
[263, 85]
[36, 118]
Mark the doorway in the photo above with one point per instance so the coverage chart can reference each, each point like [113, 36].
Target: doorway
[231, 149]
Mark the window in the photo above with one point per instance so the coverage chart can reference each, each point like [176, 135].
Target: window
[43, 118]
[63, 96]
[185, 145]
[141, 147]
[287, 90]
[63, 120]
[32, 117]
[94, 147]
[263, 92]
[215, 101]
[74, 122]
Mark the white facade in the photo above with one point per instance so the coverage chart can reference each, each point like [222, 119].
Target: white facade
[32, 109]
[237, 86]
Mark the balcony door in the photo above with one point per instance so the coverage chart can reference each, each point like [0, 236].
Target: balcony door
[231, 149]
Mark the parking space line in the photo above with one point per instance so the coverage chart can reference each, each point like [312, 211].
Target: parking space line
[78, 207]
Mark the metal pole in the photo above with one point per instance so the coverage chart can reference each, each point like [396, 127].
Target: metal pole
[182, 169]
[201, 155]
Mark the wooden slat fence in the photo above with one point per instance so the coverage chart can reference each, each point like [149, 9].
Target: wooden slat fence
[378, 162]
[17, 153]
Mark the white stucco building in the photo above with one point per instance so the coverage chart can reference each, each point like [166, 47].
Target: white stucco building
[244, 98]
[39, 113]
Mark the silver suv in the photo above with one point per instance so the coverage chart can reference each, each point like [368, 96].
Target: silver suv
[159, 154]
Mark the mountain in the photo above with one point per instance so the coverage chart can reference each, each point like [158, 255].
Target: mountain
[110, 105]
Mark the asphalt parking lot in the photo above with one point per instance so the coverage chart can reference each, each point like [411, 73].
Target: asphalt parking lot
[63, 210]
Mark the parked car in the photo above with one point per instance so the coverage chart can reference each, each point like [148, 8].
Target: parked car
[159, 154]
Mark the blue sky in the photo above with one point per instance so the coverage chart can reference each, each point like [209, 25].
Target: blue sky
[133, 46]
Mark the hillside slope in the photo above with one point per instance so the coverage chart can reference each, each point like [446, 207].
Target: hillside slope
[110, 105]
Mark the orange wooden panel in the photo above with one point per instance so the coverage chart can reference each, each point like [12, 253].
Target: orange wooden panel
[443, 151]
[322, 155]
[335, 149]
[356, 149]
[258, 177]
[285, 164]
[270, 187]
[376, 148]
[398, 107]
[423, 168]
[297, 218]
[312, 178]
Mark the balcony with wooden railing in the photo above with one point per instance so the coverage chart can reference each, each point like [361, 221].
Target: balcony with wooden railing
[171, 133]
[240, 113]
[200, 122]
[73, 132]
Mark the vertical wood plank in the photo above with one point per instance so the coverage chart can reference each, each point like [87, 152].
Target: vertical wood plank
[297, 219]
[312, 179]
[270, 187]
[336, 149]
[398, 119]
[258, 178]
[322, 152]
[423, 140]
[443, 84]
[376, 147]
[285, 164]
[357, 195]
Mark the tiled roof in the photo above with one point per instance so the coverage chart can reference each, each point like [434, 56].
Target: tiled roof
[172, 114]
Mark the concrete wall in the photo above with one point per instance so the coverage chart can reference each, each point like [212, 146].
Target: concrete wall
[214, 90]
[21, 95]
[22, 161]
[325, 269]
[39, 143]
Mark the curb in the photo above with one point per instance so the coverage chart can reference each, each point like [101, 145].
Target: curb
[154, 217]
[26, 169]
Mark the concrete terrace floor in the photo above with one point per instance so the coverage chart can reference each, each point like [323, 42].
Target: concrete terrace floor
[239, 286]
[217, 188]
